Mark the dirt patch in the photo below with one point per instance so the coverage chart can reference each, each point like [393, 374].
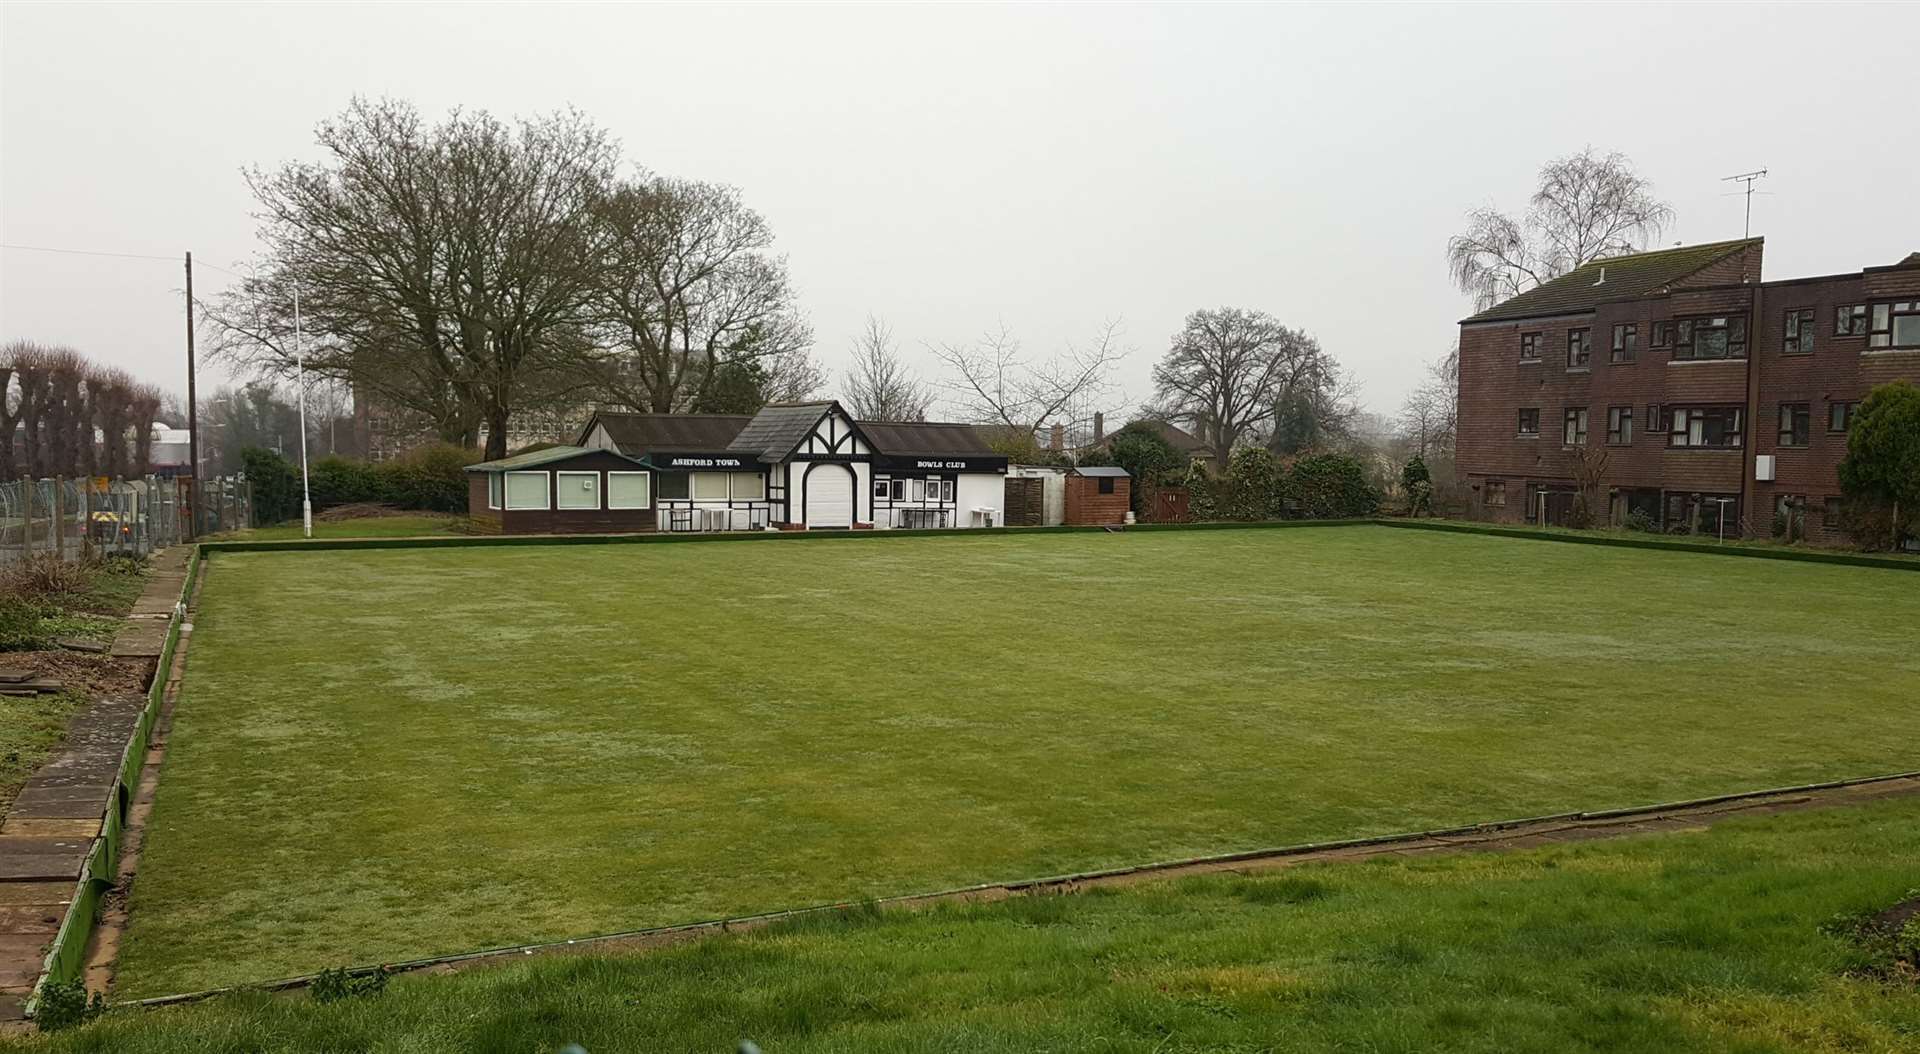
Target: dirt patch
[1896, 918]
[95, 675]
[362, 511]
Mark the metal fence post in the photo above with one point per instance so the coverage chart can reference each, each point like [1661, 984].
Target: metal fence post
[26, 518]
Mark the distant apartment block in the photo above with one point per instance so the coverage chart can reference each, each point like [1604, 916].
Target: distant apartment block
[1717, 397]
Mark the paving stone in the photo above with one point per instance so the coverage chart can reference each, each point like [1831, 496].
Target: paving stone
[50, 827]
[37, 894]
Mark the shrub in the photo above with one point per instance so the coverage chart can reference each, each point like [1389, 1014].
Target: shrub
[1254, 488]
[1882, 466]
[1418, 482]
[276, 485]
[336, 480]
[432, 478]
[1332, 486]
[1638, 520]
[64, 1004]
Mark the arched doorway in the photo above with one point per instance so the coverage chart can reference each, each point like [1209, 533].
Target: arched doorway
[828, 497]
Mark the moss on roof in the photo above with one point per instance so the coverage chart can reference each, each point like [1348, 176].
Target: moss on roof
[1612, 278]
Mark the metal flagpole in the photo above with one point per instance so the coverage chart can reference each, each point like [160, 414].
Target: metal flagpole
[300, 368]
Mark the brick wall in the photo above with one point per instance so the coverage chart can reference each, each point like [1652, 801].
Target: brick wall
[1495, 384]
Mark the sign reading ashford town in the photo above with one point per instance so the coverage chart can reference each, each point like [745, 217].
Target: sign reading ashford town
[730, 461]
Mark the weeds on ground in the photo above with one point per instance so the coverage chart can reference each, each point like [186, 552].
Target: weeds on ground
[1888, 941]
[331, 986]
[64, 1004]
[43, 599]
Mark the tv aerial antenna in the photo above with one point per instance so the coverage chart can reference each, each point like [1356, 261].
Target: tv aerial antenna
[1748, 178]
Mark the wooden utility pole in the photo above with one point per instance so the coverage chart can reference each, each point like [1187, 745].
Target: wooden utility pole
[193, 420]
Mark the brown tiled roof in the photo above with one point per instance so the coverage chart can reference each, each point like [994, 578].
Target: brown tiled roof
[1584, 287]
[925, 438]
[640, 434]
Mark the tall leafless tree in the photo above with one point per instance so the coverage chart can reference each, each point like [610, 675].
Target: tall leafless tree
[1587, 206]
[993, 382]
[690, 284]
[1229, 371]
[450, 270]
[879, 386]
[1429, 417]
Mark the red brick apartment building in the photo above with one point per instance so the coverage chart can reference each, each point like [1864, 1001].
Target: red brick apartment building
[1711, 390]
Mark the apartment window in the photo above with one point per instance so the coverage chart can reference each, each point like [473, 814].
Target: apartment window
[1530, 421]
[1626, 340]
[673, 485]
[1620, 425]
[1840, 416]
[1850, 320]
[1529, 347]
[1795, 427]
[1579, 348]
[1895, 325]
[1661, 334]
[628, 490]
[578, 490]
[527, 490]
[1799, 332]
[496, 486]
[749, 486]
[1713, 337]
[1495, 494]
[1830, 515]
[1575, 433]
[1704, 427]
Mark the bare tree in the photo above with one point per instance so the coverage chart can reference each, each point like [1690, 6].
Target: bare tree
[1587, 206]
[691, 285]
[994, 383]
[450, 270]
[880, 387]
[1229, 372]
[1588, 465]
[1430, 415]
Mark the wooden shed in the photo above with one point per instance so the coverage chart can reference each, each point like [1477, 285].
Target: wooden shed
[562, 490]
[1098, 495]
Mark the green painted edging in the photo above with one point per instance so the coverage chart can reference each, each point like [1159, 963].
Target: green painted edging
[1811, 556]
[656, 538]
[66, 956]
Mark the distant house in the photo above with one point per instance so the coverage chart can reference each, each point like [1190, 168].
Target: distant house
[1179, 438]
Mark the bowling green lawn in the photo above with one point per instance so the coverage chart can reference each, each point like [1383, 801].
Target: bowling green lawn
[388, 754]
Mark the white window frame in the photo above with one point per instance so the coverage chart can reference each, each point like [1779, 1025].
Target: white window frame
[919, 489]
[608, 490]
[559, 491]
[693, 486]
[880, 488]
[899, 489]
[946, 491]
[546, 492]
[733, 480]
[496, 490]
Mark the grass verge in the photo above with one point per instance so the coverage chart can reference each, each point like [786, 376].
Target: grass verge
[1713, 941]
[403, 526]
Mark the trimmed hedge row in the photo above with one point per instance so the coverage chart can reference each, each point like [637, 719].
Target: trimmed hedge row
[1811, 556]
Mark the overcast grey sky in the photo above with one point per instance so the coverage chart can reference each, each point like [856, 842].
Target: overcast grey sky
[949, 168]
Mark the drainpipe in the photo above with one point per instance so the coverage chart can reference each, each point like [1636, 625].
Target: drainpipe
[1750, 438]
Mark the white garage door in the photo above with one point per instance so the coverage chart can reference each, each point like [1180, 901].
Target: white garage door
[829, 497]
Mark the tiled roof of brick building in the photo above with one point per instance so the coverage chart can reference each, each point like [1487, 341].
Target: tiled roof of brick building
[1612, 278]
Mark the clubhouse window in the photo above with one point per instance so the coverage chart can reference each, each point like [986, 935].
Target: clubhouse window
[1705, 427]
[1796, 424]
[578, 490]
[1495, 495]
[1530, 421]
[710, 486]
[749, 486]
[496, 489]
[1710, 337]
[1626, 342]
[673, 486]
[1799, 332]
[1894, 326]
[628, 490]
[1529, 347]
[527, 490]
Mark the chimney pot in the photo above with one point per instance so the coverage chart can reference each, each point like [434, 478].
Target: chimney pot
[1099, 426]
[1058, 439]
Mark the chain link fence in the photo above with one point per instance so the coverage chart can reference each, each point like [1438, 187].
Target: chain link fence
[73, 518]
